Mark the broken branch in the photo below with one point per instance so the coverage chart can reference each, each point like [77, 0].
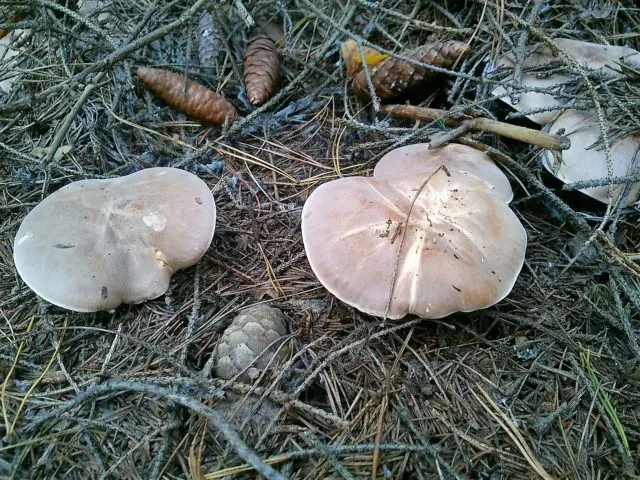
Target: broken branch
[515, 132]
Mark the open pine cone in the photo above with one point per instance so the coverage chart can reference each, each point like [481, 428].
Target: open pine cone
[255, 330]
[393, 78]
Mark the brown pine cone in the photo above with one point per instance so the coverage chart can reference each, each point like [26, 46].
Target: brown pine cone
[261, 69]
[209, 41]
[243, 344]
[191, 98]
[393, 78]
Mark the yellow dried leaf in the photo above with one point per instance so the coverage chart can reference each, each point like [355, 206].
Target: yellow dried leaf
[353, 60]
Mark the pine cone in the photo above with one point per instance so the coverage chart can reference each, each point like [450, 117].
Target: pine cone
[209, 40]
[243, 342]
[193, 99]
[261, 69]
[393, 78]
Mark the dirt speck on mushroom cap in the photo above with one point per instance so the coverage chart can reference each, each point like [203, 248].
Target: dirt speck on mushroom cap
[95, 244]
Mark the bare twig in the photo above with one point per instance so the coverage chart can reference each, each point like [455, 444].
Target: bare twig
[115, 386]
[522, 134]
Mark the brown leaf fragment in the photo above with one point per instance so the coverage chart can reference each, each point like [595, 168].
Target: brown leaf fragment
[393, 78]
[188, 96]
[272, 30]
[8, 18]
[261, 69]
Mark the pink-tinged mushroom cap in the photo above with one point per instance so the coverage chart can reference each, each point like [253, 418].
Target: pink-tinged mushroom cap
[586, 160]
[95, 244]
[419, 161]
[592, 56]
[463, 247]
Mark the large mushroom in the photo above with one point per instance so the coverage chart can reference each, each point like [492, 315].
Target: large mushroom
[95, 244]
[586, 160]
[388, 249]
[538, 73]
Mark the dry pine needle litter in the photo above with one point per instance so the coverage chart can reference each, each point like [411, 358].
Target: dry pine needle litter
[188, 96]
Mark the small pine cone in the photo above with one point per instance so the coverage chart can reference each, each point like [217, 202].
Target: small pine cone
[209, 40]
[188, 96]
[261, 69]
[251, 340]
[393, 78]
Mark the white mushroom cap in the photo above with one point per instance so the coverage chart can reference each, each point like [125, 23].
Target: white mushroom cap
[593, 56]
[584, 161]
[463, 247]
[420, 161]
[95, 244]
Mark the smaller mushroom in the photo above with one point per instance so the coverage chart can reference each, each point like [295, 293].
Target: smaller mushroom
[538, 73]
[585, 161]
[251, 343]
[95, 244]
[388, 249]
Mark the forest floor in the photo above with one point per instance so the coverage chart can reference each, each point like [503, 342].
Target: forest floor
[544, 384]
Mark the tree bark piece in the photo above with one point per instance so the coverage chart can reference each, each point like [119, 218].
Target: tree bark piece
[188, 96]
[261, 69]
[393, 78]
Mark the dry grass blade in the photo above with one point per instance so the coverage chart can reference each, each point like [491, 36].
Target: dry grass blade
[502, 420]
[8, 426]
